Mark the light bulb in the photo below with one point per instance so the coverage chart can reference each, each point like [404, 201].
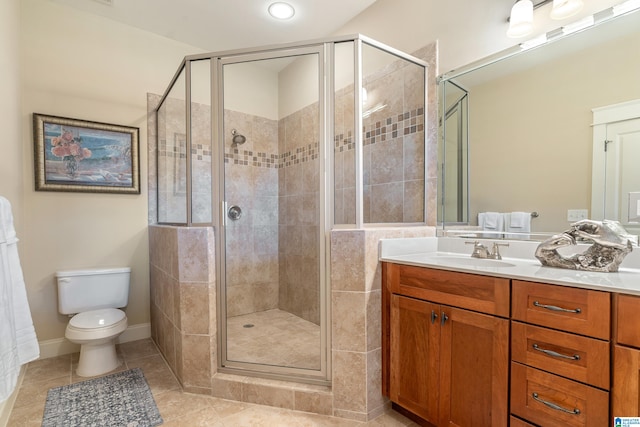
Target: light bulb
[521, 20]
[281, 10]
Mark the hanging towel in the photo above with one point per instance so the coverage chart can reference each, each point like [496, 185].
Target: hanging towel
[518, 222]
[491, 221]
[18, 342]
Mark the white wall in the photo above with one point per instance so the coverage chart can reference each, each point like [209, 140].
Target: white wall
[11, 158]
[251, 89]
[86, 67]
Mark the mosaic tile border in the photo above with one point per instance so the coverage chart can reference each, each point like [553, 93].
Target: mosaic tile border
[407, 123]
[275, 161]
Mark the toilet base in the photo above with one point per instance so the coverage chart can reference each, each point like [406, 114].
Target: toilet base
[97, 359]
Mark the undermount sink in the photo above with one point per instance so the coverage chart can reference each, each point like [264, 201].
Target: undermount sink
[474, 262]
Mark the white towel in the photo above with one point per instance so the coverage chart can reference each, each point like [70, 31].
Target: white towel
[18, 342]
[518, 222]
[491, 221]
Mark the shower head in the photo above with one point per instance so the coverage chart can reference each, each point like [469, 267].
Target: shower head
[237, 138]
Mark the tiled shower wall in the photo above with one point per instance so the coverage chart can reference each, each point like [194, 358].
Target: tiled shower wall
[251, 182]
[299, 219]
[183, 302]
[272, 250]
[172, 146]
[393, 147]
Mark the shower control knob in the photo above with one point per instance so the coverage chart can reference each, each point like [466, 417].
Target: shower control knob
[234, 213]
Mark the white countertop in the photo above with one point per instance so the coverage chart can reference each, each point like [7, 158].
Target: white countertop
[517, 262]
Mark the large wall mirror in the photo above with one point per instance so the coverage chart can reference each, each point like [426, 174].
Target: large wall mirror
[517, 130]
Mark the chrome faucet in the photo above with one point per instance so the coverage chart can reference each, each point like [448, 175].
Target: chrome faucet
[479, 250]
[495, 250]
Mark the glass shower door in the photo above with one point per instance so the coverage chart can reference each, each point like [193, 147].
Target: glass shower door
[272, 230]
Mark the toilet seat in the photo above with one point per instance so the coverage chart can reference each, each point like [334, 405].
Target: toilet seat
[96, 324]
[97, 319]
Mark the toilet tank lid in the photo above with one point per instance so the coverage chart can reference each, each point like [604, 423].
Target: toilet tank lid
[92, 271]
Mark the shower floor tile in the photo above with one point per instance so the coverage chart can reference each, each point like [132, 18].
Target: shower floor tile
[276, 338]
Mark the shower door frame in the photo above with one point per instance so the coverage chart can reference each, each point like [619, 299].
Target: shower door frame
[323, 375]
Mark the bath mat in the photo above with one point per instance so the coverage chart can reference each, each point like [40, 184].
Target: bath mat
[120, 399]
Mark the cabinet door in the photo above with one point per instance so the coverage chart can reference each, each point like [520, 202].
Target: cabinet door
[625, 400]
[474, 377]
[414, 337]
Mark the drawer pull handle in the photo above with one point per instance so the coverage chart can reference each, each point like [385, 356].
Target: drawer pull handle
[554, 308]
[434, 316]
[555, 354]
[556, 407]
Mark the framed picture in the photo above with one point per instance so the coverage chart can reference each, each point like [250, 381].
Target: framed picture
[83, 156]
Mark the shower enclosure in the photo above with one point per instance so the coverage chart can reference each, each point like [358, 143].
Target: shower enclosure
[273, 148]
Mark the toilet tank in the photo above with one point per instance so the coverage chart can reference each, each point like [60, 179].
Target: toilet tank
[92, 289]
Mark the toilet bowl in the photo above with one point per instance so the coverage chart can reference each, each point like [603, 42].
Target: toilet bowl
[93, 298]
[96, 332]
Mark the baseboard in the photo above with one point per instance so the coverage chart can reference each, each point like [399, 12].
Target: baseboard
[7, 405]
[60, 346]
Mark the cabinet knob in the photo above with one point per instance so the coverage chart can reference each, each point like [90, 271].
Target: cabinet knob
[434, 316]
[444, 318]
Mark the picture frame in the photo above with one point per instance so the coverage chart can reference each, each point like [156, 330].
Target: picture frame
[85, 156]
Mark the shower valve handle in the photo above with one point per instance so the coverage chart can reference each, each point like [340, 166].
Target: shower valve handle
[234, 213]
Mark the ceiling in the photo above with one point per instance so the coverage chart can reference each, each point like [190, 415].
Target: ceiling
[216, 25]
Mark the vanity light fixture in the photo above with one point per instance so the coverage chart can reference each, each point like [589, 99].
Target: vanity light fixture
[521, 18]
[563, 9]
[281, 10]
[586, 22]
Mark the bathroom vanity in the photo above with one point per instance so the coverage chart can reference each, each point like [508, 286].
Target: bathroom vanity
[467, 342]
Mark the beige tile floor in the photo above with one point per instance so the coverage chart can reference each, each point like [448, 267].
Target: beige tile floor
[176, 407]
[276, 338]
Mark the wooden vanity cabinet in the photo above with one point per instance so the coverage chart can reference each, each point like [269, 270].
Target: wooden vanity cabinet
[448, 365]
[568, 357]
[625, 390]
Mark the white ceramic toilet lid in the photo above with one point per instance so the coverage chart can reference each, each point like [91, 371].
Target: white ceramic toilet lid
[97, 318]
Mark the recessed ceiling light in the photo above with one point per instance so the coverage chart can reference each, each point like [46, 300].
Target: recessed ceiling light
[281, 10]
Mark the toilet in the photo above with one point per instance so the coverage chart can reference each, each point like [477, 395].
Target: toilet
[93, 297]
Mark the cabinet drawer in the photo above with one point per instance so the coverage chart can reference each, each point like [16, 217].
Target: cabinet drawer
[573, 356]
[517, 422]
[581, 311]
[551, 401]
[485, 294]
[627, 320]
